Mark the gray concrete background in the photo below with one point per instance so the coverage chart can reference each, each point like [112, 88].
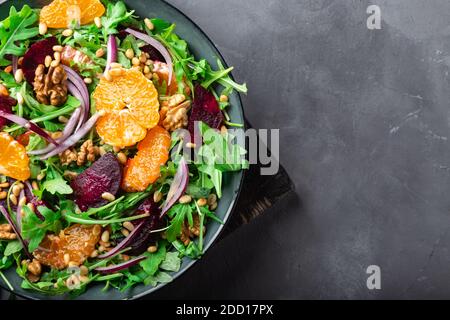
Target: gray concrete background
[365, 126]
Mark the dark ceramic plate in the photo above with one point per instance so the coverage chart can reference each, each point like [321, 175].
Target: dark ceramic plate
[201, 46]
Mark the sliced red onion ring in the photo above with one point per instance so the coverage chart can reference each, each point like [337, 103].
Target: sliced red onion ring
[78, 95]
[112, 52]
[158, 46]
[28, 125]
[117, 267]
[68, 130]
[178, 186]
[15, 64]
[69, 142]
[78, 82]
[19, 210]
[124, 243]
[15, 229]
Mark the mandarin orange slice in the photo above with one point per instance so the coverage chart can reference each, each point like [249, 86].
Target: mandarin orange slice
[60, 13]
[77, 241]
[131, 104]
[144, 168]
[14, 161]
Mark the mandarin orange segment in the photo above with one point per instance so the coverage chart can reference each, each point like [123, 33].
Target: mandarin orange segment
[77, 241]
[131, 104]
[144, 168]
[14, 161]
[59, 13]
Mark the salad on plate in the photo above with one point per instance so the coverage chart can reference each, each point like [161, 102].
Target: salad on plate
[114, 143]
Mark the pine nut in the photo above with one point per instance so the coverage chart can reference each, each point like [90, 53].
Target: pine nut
[115, 65]
[66, 258]
[23, 201]
[129, 53]
[40, 176]
[67, 32]
[30, 206]
[146, 70]
[8, 69]
[108, 196]
[54, 63]
[213, 206]
[47, 61]
[142, 58]
[116, 149]
[87, 80]
[20, 99]
[149, 76]
[35, 185]
[96, 230]
[105, 236]
[13, 199]
[3, 90]
[100, 53]
[63, 119]
[101, 249]
[157, 196]
[42, 28]
[102, 151]
[4, 185]
[212, 198]
[152, 249]
[16, 190]
[20, 61]
[72, 264]
[98, 22]
[122, 158]
[18, 76]
[108, 76]
[58, 48]
[115, 72]
[135, 61]
[20, 185]
[94, 254]
[3, 195]
[84, 271]
[57, 56]
[185, 199]
[202, 202]
[125, 232]
[223, 98]
[128, 225]
[149, 24]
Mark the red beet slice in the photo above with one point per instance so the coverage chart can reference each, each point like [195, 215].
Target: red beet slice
[144, 239]
[6, 104]
[36, 55]
[105, 175]
[206, 109]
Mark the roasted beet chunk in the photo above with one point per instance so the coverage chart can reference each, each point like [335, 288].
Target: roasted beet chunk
[36, 55]
[206, 109]
[105, 175]
[144, 239]
[6, 104]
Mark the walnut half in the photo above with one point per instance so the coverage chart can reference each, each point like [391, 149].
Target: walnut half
[50, 87]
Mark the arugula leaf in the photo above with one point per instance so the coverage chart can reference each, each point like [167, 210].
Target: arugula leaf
[171, 263]
[151, 264]
[115, 14]
[34, 230]
[55, 183]
[14, 30]
[178, 213]
[12, 247]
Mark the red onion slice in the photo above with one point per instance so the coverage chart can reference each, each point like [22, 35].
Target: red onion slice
[69, 142]
[112, 52]
[15, 64]
[68, 130]
[124, 243]
[19, 210]
[178, 186]
[27, 125]
[15, 229]
[120, 266]
[79, 96]
[78, 82]
[158, 46]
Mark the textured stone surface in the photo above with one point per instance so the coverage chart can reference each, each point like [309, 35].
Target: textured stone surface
[364, 118]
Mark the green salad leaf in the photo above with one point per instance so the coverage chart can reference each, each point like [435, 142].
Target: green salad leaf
[14, 30]
[34, 229]
[115, 14]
